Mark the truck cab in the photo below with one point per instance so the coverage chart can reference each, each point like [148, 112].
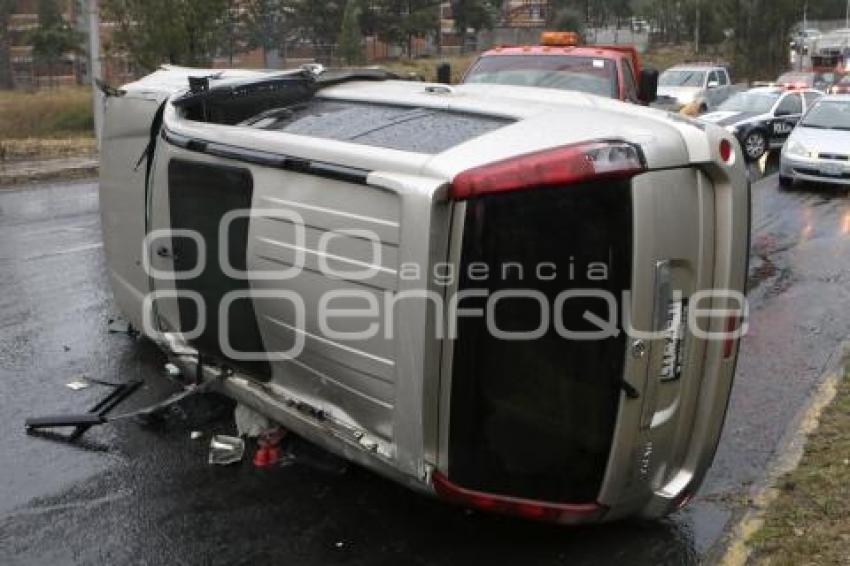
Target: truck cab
[560, 62]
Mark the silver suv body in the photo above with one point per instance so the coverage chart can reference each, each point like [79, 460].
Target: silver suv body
[441, 227]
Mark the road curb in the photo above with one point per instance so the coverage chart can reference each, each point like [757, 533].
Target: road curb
[15, 180]
[734, 550]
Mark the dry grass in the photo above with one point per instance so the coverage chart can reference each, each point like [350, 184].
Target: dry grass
[45, 148]
[60, 113]
[427, 67]
[809, 522]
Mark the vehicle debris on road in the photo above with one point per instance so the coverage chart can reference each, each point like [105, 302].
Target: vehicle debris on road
[78, 384]
[225, 450]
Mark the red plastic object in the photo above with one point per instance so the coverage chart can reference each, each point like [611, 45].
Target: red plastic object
[262, 457]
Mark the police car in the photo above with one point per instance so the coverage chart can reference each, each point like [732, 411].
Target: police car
[762, 118]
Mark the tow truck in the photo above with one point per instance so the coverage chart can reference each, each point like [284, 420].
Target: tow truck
[561, 62]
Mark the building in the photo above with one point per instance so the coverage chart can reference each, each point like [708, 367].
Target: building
[26, 71]
[525, 13]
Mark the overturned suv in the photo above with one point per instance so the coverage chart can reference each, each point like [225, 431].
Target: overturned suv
[518, 300]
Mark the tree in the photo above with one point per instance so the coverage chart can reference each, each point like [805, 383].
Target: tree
[318, 22]
[7, 78]
[399, 22]
[350, 37]
[472, 14]
[183, 32]
[54, 36]
[568, 19]
[264, 26]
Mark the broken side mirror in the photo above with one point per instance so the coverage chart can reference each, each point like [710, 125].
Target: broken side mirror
[648, 87]
[444, 73]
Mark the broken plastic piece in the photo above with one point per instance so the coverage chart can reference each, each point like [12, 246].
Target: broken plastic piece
[249, 422]
[226, 450]
[266, 456]
[78, 384]
[119, 326]
[172, 370]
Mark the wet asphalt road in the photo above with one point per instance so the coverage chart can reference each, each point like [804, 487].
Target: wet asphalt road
[144, 494]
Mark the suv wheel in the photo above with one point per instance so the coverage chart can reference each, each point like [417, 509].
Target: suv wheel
[755, 145]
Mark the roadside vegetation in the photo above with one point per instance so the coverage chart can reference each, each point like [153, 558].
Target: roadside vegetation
[54, 123]
[809, 521]
[427, 67]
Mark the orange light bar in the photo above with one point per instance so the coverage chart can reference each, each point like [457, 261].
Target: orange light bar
[559, 38]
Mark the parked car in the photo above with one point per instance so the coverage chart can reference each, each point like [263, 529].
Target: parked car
[704, 86]
[818, 149]
[330, 249]
[762, 118]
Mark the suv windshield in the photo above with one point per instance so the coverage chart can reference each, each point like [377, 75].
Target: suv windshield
[682, 78]
[563, 72]
[829, 114]
[758, 102]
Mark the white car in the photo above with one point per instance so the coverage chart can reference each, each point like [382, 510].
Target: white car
[818, 150]
[481, 292]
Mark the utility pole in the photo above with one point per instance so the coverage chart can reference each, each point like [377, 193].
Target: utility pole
[697, 26]
[801, 47]
[95, 67]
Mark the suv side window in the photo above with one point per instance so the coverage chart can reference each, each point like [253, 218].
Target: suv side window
[723, 77]
[631, 87]
[712, 78]
[790, 105]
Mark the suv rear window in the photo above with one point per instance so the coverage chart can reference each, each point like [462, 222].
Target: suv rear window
[420, 130]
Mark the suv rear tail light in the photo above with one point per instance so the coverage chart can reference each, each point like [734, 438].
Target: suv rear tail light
[564, 165]
[726, 151]
[526, 508]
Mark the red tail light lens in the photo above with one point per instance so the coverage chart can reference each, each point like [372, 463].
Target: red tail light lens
[560, 166]
[726, 151]
[526, 508]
